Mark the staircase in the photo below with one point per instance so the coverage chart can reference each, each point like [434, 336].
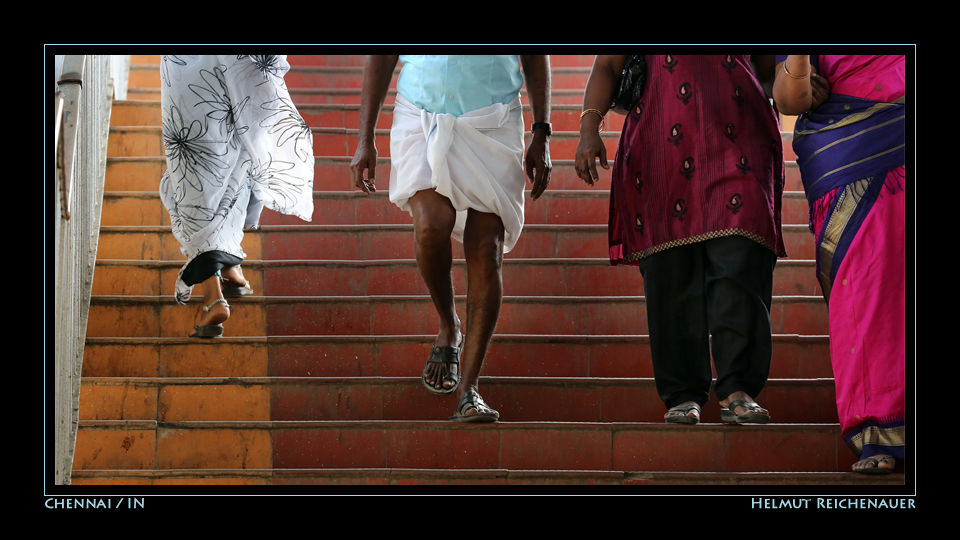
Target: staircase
[317, 378]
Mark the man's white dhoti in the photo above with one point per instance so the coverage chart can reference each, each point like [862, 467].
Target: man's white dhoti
[475, 160]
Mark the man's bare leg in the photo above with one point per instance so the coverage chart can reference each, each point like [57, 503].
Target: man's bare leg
[433, 221]
[483, 249]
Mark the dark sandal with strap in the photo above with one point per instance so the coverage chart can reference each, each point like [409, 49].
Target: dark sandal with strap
[685, 418]
[876, 466]
[757, 414]
[229, 290]
[210, 330]
[444, 355]
[472, 400]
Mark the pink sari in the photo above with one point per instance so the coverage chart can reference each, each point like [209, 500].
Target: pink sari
[866, 295]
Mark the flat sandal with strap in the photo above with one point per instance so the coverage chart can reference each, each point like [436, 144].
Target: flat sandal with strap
[444, 355]
[210, 330]
[472, 400]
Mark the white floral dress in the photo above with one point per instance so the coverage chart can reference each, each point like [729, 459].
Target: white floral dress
[234, 143]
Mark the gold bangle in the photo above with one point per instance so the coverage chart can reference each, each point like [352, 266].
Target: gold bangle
[600, 114]
[791, 74]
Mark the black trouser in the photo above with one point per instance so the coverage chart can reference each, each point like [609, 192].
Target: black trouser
[720, 287]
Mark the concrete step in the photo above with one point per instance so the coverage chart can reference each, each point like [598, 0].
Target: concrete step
[487, 477]
[521, 277]
[518, 399]
[794, 356]
[161, 316]
[379, 444]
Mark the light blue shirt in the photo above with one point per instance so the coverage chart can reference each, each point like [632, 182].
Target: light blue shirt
[459, 84]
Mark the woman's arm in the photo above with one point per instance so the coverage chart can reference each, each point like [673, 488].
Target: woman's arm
[604, 78]
[797, 87]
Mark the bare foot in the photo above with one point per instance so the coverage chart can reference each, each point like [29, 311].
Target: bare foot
[878, 464]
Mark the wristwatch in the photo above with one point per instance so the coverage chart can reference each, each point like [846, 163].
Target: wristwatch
[542, 125]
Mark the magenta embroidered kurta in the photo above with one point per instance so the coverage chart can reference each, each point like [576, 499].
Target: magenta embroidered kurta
[699, 157]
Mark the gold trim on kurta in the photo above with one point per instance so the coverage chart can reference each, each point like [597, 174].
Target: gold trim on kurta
[637, 255]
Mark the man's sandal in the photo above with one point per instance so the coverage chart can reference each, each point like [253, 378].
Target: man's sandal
[472, 400]
[210, 330]
[755, 414]
[684, 418]
[876, 466]
[444, 355]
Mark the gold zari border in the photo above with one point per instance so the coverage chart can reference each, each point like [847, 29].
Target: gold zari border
[846, 203]
[637, 255]
[889, 437]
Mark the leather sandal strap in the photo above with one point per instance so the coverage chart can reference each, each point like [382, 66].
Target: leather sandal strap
[215, 302]
[472, 400]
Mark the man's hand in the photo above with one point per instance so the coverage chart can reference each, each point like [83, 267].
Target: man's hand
[364, 160]
[377, 72]
[538, 163]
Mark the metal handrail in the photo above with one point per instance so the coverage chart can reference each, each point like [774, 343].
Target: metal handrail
[69, 89]
[83, 99]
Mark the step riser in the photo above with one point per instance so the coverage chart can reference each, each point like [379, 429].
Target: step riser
[333, 174]
[793, 358]
[383, 243]
[434, 445]
[358, 60]
[439, 477]
[148, 141]
[560, 279]
[412, 315]
[789, 403]
[589, 208]
[146, 113]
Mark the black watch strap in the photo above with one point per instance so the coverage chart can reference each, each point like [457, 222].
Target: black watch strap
[542, 125]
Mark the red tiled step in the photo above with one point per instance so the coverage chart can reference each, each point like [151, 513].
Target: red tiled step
[444, 445]
[555, 206]
[528, 399]
[558, 96]
[326, 76]
[143, 208]
[396, 242]
[564, 60]
[134, 141]
[332, 173]
[499, 477]
[794, 356]
[366, 242]
[521, 277]
[148, 316]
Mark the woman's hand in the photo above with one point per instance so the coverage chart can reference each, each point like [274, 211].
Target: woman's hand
[589, 149]
[821, 88]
